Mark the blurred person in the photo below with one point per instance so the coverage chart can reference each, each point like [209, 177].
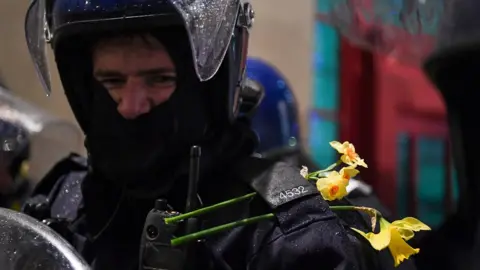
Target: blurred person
[146, 81]
[15, 186]
[453, 69]
[30, 139]
[26, 138]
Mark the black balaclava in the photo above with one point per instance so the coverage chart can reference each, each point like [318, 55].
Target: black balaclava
[142, 152]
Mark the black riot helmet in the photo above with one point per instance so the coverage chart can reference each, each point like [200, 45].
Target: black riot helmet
[454, 68]
[217, 32]
[207, 41]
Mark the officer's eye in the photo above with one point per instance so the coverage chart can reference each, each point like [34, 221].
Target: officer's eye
[111, 83]
[160, 80]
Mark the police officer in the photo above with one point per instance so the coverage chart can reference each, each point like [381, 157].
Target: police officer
[276, 124]
[146, 80]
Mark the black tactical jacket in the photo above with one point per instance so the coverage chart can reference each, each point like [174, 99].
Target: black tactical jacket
[305, 233]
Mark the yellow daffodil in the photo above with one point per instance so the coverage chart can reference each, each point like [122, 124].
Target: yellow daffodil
[408, 225]
[347, 173]
[331, 190]
[334, 185]
[394, 235]
[349, 156]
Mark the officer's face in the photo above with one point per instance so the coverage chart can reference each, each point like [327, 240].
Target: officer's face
[137, 72]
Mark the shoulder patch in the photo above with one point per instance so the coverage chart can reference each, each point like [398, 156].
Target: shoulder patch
[276, 182]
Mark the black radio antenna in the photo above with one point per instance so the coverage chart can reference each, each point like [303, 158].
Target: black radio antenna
[192, 200]
[192, 224]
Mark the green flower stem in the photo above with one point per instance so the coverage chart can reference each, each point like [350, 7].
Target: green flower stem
[211, 208]
[218, 229]
[343, 207]
[208, 209]
[367, 210]
[329, 168]
[194, 236]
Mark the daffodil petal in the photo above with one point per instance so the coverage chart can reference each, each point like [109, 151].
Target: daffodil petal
[333, 174]
[322, 182]
[361, 162]
[337, 146]
[342, 192]
[347, 144]
[345, 159]
[378, 241]
[324, 189]
[325, 192]
[329, 175]
[405, 233]
[349, 171]
[361, 233]
[399, 249]
[411, 224]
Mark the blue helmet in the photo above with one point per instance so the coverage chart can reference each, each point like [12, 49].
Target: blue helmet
[276, 119]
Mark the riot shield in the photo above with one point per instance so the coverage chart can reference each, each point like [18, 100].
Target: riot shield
[26, 244]
[49, 138]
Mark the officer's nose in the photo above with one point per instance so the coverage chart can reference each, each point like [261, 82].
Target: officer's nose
[133, 101]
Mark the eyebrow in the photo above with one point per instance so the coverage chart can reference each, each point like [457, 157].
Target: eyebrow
[144, 72]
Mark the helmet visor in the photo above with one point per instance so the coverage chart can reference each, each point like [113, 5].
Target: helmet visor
[36, 34]
[209, 24]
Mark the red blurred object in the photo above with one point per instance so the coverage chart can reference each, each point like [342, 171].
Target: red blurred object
[382, 90]
[402, 29]
[381, 98]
